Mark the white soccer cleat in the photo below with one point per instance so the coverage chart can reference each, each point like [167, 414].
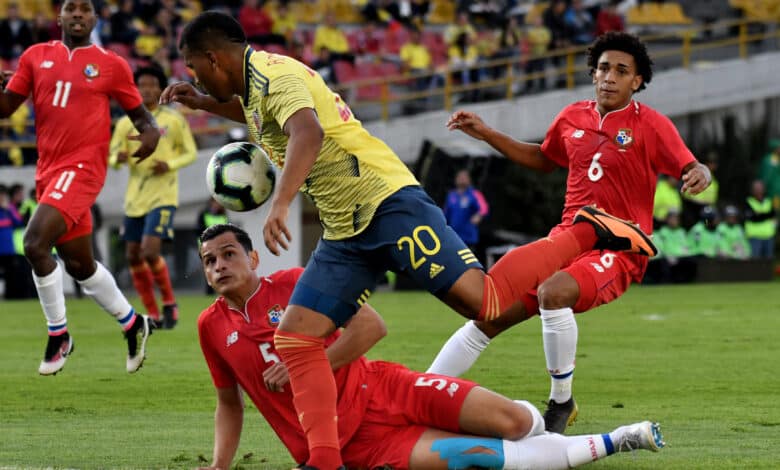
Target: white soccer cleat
[58, 349]
[645, 435]
[136, 338]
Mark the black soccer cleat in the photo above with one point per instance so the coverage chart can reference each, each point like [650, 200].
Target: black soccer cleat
[58, 349]
[559, 415]
[614, 233]
[170, 316]
[136, 338]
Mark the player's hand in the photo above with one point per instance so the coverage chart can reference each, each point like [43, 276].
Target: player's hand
[696, 179]
[160, 167]
[148, 139]
[275, 231]
[469, 123]
[276, 377]
[186, 94]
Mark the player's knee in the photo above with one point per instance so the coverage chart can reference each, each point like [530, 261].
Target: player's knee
[517, 421]
[133, 256]
[35, 247]
[555, 293]
[150, 256]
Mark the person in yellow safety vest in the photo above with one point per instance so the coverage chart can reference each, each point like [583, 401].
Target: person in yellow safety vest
[760, 222]
[667, 199]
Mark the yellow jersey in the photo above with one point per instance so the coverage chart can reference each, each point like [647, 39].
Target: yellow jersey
[354, 171]
[145, 190]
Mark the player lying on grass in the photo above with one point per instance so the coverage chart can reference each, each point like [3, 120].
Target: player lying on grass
[388, 415]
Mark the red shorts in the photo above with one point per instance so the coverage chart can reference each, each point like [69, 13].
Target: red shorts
[403, 405]
[602, 277]
[72, 191]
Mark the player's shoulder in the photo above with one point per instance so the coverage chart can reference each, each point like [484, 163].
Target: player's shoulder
[210, 312]
[40, 49]
[285, 277]
[651, 116]
[272, 65]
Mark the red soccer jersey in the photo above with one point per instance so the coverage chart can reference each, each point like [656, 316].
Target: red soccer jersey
[70, 90]
[614, 161]
[239, 346]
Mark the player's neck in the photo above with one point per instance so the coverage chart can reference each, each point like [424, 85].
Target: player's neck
[239, 298]
[73, 43]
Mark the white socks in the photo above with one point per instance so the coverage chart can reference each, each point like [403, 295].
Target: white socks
[460, 352]
[52, 299]
[538, 421]
[553, 451]
[102, 287]
[559, 331]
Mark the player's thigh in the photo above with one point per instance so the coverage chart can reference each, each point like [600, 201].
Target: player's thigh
[417, 241]
[72, 191]
[77, 255]
[159, 223]
[377, 445]
[337, 280]
[402, 397]
[602, 276]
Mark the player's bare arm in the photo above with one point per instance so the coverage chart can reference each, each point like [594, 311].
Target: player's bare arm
[190, 97]
[148, 133]
[696, 178]
[306, 135]
[228, 421]
[360, 334]
[526, 154]
[9, 101]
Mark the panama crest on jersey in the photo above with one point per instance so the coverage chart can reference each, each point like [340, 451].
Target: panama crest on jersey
[91, 71]
[624, 138]
[275, 315]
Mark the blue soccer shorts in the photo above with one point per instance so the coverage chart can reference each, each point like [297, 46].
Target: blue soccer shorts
[156, 223]
[408, 234]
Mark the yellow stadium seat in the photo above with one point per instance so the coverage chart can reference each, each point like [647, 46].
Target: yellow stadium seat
[672, 13]
[442, 12]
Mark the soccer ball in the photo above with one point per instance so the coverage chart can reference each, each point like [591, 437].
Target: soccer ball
[240, 176]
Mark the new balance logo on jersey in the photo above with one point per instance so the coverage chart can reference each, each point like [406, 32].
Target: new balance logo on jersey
[232, 338]
[47, 64]
[435, 270]
[55, 195]
[578, 134]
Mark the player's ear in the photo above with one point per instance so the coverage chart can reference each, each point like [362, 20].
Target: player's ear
[636, 83]
[212, 58]
[254, 259]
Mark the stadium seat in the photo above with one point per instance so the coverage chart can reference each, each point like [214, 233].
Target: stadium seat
[442, 12]
[345, 71]
[672, 13]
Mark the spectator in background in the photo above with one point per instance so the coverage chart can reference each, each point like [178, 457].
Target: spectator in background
[41, 29]
[463, 56]
[693, 204]
[609, 19]
[579, 22]
[15, 34]
[212, 214]
[27, 209]
[675, 261]
[464, 209]
[148, 42]
[554, 21]
[769, 172]
[329, 36]
[760, 222]
[704, 236]
[369, 41]
[731, 235]
[9, 259]
[416, 61]
[538, 37]
[102, 31]
[22, 285]
[285, 23]
[123, 29]
[256, 21]
[461, 26]
[667, 199]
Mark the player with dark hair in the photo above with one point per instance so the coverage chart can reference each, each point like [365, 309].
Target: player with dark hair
[374, 213]
[71, 82]
[388, 415]
[614, 147]
[153, 194]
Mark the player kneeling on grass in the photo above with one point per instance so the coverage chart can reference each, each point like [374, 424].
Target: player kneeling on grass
[388, 415]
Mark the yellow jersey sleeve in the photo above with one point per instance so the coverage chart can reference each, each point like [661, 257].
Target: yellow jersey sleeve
[119, 142]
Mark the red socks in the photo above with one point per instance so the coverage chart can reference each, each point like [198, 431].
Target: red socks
[525, 267]
[163, 280]
[314, 395]
[144, 285]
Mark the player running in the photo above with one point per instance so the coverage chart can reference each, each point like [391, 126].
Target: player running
[71, 82]
[388, 415]
[614, 148]
[153, 194]
[374, 213]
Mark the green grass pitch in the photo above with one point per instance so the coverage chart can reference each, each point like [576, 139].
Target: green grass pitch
[702, 360]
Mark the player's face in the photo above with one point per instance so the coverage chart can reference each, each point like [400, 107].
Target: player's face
[149, 88]
[229, 269]
[210, 77]
[616, 80]
[77, 18]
